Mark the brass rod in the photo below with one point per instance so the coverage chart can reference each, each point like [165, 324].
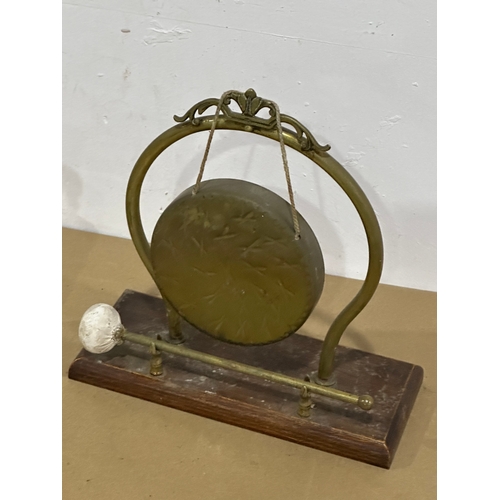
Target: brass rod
[364, 402]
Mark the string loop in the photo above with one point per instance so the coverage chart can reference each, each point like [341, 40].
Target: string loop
[279, 128]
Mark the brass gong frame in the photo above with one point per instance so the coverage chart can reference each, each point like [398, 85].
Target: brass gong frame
[298, 138]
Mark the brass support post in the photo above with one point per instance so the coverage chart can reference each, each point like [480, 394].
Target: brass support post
[175, 335]
[156, 365]
[305, 403]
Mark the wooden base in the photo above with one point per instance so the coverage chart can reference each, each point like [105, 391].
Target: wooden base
[253, 403]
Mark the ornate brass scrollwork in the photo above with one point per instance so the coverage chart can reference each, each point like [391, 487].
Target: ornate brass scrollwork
[250, 104]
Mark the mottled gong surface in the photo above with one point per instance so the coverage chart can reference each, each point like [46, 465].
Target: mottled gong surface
[228, 261]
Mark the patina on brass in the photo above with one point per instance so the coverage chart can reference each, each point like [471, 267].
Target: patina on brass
[228, 261]
[296, 137]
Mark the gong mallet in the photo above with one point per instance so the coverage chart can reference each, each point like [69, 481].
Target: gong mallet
[101, 329]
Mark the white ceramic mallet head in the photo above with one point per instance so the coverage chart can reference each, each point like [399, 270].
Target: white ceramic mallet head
[100, 328]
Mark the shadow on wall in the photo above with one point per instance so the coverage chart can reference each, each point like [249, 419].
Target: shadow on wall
[72, 193]
[72, 190]
[413, 246]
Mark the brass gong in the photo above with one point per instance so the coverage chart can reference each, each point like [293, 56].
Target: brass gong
[228, 260]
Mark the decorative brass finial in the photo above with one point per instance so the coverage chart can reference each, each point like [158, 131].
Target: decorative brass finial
[365, 402]
[250, 104]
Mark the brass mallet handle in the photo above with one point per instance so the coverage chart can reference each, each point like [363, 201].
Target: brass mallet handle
[117, 334]
[364, 402]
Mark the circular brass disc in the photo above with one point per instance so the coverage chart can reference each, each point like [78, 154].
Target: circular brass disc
[228, 261]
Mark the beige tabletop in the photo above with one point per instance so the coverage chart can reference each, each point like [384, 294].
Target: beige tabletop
[120, 447]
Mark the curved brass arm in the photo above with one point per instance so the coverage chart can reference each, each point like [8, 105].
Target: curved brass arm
[318, 156]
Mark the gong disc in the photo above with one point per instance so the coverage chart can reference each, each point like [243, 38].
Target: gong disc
[227, 260]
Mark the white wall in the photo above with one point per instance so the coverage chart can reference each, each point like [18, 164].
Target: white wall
[361, 75]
